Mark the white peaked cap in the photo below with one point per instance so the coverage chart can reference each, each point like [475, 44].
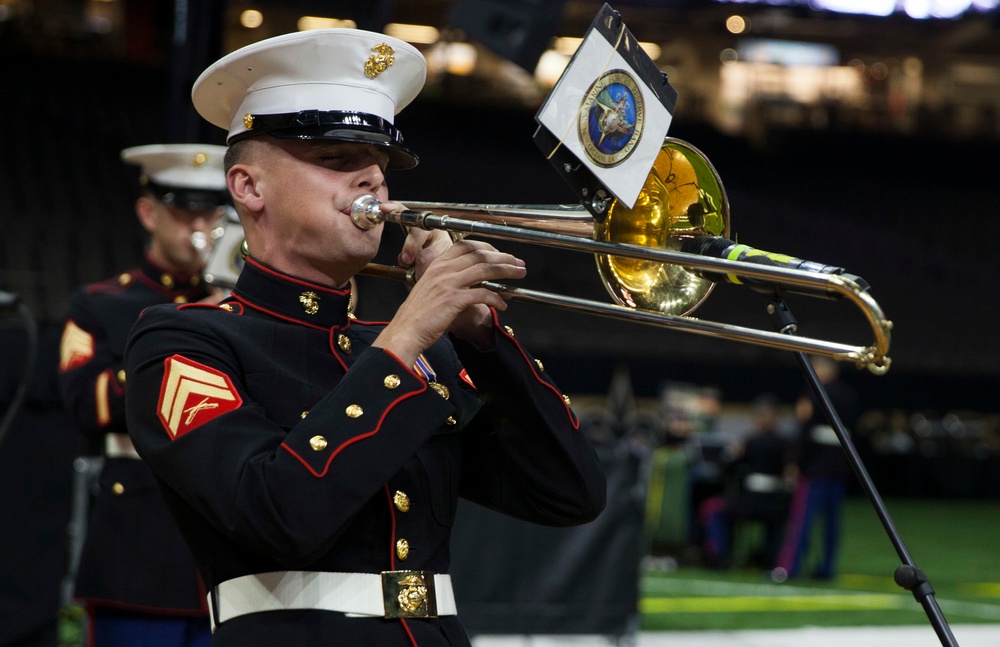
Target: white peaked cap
[186, 166]
[339, 84]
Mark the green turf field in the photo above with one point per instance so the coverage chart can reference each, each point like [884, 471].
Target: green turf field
[955, 543]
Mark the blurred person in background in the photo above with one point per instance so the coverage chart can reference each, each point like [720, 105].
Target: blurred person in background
[135, 574]
[757, 490]
[37, 446]
[822, 474]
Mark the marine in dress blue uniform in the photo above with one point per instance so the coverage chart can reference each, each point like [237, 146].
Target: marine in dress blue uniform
[313, 472]
[757, 490]
[136, 574]
[823, 476]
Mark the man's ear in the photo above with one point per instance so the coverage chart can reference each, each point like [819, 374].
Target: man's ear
[145, 211]
[242, 183]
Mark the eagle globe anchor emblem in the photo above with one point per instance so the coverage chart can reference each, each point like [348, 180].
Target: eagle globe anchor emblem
[611, 119]
[409, 594]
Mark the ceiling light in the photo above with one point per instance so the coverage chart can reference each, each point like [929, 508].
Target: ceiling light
[306, 23]
[422, 34]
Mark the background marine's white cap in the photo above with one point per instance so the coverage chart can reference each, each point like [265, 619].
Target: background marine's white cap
[189, 176]
[337, 84]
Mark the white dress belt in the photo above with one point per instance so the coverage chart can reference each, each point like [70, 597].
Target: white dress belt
[391, 594]
[764, 483]
[119, 446]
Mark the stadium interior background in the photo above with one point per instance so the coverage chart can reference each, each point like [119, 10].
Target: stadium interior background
[868, 142]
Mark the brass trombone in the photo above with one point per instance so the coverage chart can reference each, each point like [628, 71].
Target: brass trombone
[640, 259]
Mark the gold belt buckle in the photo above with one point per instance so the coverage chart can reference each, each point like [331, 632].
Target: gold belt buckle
[409, 594]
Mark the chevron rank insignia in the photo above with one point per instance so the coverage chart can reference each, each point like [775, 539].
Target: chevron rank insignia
[76, 347]
[192, 394]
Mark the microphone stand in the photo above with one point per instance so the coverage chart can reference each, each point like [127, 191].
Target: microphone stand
[907, 575]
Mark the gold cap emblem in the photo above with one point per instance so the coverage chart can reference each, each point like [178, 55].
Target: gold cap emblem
[380, 61]
[248, 121]
[310, 302]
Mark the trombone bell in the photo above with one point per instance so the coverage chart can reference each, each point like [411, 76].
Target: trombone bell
[682, 197]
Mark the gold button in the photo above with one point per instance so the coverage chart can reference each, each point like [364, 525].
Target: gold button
[401, 501]
[344, 343]
[180, 300]
[391, 381]
[121, 376]
[450, 421]
[124, 279]
[304, 414]
[318, 443]
[441, 389]
[354, 411]
[118, 488]
[402, 549]
[510, 331]
[226, 306]
[566, 400]
[167, 281]
[538, 363]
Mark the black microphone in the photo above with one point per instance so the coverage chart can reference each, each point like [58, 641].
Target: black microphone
[721, 247]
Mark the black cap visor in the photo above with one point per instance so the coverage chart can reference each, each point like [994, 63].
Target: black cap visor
[187, 198]
[335, 125]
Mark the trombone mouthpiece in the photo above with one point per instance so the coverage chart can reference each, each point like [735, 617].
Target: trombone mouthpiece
[365, 211]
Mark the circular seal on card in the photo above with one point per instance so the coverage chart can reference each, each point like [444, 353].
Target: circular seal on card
[611, 118]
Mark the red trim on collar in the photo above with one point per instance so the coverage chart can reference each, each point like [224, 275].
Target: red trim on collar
[291, 279]
[274, 314]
